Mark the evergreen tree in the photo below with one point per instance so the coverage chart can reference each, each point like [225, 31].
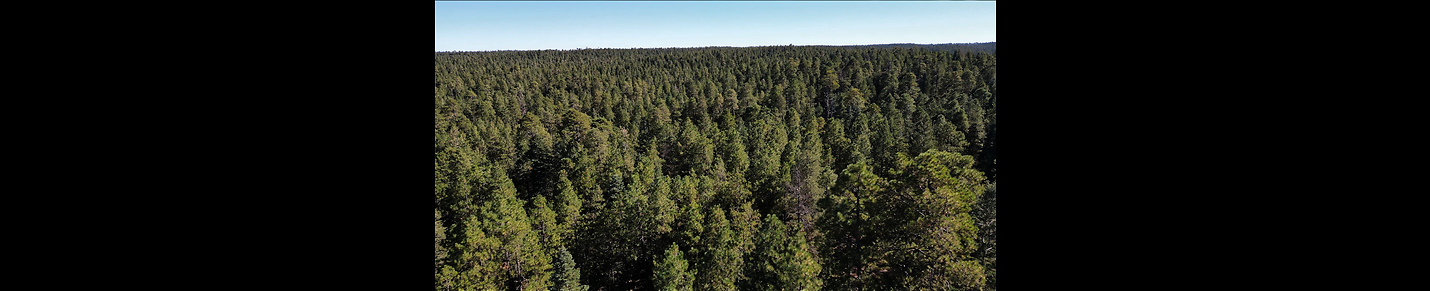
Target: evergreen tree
[853, 103]
[518, 248]
[937, 193]
[987, 217]
[852, 226]
[567, 276]
[568, 210]
[808, 179]
[672, 272]
[441, 240]
[479, 267]
[828, 84]
[543, 221]
[446, 275]
[723, 262]
[947, 137]
[538, 162]
[782, 260]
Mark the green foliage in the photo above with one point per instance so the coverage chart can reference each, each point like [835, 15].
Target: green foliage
[479, 267]
[568, 210]
[441, 241]
[782, 259]
[672, 272]
[445, 274]
[938, 191]
[853, 225]
[567, 276]
[511, 242]
[723, 261]
[986, 214]
[777, 168]
[543, 221]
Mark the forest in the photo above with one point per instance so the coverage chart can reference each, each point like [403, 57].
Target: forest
[755, 168]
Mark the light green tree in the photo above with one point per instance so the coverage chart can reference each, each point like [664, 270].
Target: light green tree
[672, 272]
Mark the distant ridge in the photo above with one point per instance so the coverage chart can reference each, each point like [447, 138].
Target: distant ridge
[988, 47]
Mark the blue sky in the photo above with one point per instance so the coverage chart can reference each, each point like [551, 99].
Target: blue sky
[533, 25]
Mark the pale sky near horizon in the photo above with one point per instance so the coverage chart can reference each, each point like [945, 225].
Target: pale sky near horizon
[535, 25]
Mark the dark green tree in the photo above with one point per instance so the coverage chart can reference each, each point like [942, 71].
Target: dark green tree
[539, 158]
[567, 276]
[853, 224]
[808, 179]
[782, 260]
[828, 84]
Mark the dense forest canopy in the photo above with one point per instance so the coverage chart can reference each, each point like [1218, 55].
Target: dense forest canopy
[762, 168]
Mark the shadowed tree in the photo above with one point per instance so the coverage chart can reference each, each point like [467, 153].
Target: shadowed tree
[782, 260]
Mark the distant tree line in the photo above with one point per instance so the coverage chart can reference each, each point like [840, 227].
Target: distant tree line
[985, 47]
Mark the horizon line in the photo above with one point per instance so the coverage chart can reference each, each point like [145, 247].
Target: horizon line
[716, 46]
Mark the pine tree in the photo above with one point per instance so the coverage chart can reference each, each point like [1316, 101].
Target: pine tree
[501, 234]
[852, 225]
[853, 103]
[987, 217]
[441, 240]
[479, 267]
[808, 179]
[672, 272]
[538, 162]
[947, 137]
[445, 274]
[937, 192]
[568, 209]
[828, 84]
[782, 260]
[567, 276]
[543, 221]
[723, 262]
